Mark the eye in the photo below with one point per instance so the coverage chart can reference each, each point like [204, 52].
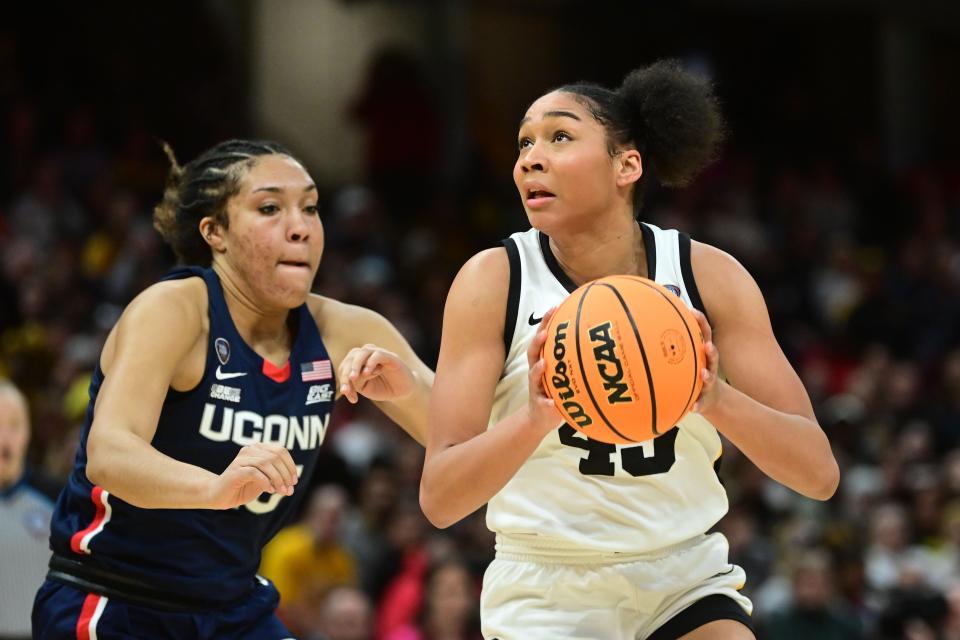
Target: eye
[561, 136]
[524, 143]
[312, 209]
[268, 209]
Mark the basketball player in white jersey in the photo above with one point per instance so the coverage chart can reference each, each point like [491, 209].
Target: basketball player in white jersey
[598, 541]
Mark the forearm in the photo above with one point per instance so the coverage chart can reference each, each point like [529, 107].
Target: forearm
[462, 478]
[411, 412]
[791, 449]
[131, 469]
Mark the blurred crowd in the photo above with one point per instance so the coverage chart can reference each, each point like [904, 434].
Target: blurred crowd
[859, 264]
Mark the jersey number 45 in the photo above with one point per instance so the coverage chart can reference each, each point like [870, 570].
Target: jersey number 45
[635, 460]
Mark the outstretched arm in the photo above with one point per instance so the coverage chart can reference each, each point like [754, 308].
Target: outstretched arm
[762, 407]
[374, 360]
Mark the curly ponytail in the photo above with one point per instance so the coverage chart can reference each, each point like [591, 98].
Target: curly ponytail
[675, 117]
[670, 115]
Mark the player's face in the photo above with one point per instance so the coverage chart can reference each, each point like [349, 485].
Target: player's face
[275, 238]
[14, 435]
[564, 172]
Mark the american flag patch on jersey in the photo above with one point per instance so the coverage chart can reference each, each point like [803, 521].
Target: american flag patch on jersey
[316, 370]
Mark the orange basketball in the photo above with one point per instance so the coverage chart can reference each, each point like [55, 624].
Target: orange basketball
[623, 357]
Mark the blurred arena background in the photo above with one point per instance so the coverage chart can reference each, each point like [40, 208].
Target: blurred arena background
[839, 189]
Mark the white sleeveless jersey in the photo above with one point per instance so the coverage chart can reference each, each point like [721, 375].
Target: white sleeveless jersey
[582, 494]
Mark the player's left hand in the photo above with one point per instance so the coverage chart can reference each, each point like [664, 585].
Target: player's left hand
[374, 373]
[709, 374]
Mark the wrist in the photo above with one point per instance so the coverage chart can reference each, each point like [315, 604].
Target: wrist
[206, 486]
[714, 408]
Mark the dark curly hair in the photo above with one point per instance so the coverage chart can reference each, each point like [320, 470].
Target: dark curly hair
[670, 115]
[202, 188]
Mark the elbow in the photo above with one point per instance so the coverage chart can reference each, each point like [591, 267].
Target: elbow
[828, 482]
[98, 468]
[432, 507]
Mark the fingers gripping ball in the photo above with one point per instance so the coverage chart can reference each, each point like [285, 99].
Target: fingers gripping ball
[623, 357]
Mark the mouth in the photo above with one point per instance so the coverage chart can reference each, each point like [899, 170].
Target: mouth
[537, 196]
[295, 263]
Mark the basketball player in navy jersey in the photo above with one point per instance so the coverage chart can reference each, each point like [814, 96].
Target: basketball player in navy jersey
[597, 540]
[211, 398]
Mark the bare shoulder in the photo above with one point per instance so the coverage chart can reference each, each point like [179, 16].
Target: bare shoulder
[330, 313]
[182, 302]
[474, 314]
[715, 267]
[489, 264]
[344, 326]
[172, 313]
[483, 279]
[725, 285]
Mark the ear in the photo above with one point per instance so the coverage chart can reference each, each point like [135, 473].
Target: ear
[629, 167]
[212, 233]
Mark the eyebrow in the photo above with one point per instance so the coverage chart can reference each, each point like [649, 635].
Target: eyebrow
[554, 114]
[311, 187]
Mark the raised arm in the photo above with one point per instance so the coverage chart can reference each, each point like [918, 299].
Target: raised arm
[159, 339]
[375, 360]
[762, 407]
[467, 464]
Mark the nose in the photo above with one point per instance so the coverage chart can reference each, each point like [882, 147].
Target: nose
[532, 160]
[298, 229]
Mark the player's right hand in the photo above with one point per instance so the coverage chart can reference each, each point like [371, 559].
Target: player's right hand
[542, 410]
[258, 468]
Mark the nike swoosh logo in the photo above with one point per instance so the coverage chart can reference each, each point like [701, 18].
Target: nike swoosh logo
[534, 321]
[226, 376]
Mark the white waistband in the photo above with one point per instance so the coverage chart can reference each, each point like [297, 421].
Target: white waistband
[535, 548]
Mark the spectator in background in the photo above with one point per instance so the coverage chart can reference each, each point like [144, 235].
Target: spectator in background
[813, 612]
[365, 528]
[308, 559]
[346, 614]
[26, 504]
[449, 609]
[408, 563]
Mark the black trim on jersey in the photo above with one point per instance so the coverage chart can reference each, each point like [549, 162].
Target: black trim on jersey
[86, 577]
[513, 296]
[686, 271]
[553, 265]
[650, 246]
[714, 607]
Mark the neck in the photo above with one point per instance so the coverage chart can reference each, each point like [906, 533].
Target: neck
[264, 329]
[602, 250]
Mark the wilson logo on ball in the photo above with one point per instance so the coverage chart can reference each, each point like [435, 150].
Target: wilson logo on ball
[623, 359]
[563, 392]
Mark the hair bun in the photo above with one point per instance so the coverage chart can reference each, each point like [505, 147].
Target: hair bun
[676, 119]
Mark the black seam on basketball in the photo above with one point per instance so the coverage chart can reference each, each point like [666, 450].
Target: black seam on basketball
[513, 295]
[696, 359]
[583, 372]
[686, 272]
[643, 354]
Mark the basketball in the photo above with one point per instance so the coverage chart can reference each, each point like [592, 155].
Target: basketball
[623, 357]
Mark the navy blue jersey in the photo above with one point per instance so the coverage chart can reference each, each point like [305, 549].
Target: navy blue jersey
[210, 555]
